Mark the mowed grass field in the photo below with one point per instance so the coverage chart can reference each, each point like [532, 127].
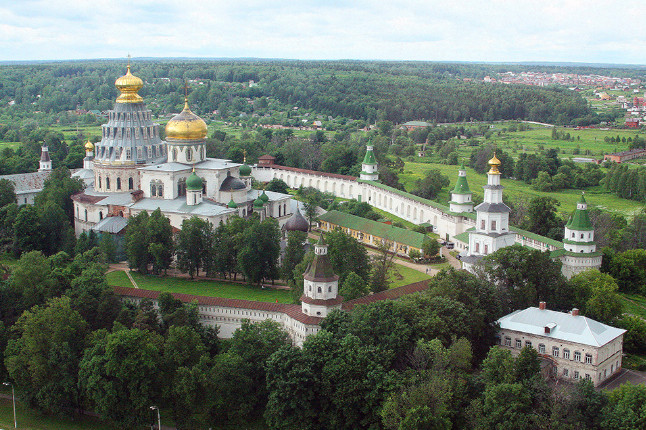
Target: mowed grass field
[200, 287]
[595, 196]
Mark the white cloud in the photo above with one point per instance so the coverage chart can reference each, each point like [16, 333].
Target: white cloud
[468, 30]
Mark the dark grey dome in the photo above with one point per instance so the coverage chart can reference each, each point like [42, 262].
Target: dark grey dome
[232, 184]
[297, 222]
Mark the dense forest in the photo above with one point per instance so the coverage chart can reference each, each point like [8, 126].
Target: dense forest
[342, 90]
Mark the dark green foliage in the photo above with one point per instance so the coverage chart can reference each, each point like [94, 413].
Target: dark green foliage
[119, 375]
[541, 218]
[259, 251]
[431, 185]
[347, 255]
[149, 240]
[294, 253]
[635, 337]
[277, 185]
[625, 409]
[629, 270]
[43, 360]
[525, 276]
[7, 192]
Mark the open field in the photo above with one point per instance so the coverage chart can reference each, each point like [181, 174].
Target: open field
[595, 196]
[200, 287]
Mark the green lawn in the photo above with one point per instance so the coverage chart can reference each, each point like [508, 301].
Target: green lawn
[634, 304]
[32, 420]
[595, 196]
[408, 276]
[200, 287]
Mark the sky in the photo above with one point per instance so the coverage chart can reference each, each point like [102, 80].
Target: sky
[592, 31]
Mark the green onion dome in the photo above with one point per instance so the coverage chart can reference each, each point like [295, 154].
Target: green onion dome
[232, 204]
[193, 182]
[258, 203]
[245, 170]
[264, 197]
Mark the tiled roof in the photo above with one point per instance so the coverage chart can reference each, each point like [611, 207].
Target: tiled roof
[392, 294]
[375, 228]
[567, 327]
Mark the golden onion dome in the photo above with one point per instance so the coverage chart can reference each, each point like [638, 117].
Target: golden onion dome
[129, 84]
[494, 163]
[89, 146]
[186, 125]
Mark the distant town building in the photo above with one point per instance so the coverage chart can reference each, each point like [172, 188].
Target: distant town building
[620, 157]
[412, 125]
[28, 185]
[574, 346]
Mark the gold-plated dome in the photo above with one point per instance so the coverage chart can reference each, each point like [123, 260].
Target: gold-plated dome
[129, 84]
[186, 125]
[494, 163]
[89, 146]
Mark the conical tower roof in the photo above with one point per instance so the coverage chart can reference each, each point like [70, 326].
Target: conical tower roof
[580, 219]
[370, 156]
[320, 270]
[462, 185]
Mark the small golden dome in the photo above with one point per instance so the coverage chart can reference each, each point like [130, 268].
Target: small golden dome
[494, 163]
[89, 146]
[129, 84]
[186, 125]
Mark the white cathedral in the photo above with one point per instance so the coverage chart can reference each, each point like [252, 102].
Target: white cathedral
[132, 170]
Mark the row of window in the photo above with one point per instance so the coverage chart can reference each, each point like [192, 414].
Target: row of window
[151, 150]
[126, 116]
[131, 183]
[556, 352]
[117, 132]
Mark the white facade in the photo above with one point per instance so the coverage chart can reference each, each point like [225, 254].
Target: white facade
[492, 223]
[577, 347]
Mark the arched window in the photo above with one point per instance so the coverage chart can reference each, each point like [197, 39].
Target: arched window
[100, 215]
[118, 183]
[329, 289]
[319, 290]
[131, 183]
[107, 183]
[160, 190]
[181, 187]
[99, 181]
[189, 154]
[85, 214]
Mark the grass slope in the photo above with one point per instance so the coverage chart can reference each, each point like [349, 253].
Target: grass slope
[200, 287]
[595, 196]
[402, 275]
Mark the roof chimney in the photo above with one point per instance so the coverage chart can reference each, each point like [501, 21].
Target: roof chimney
[541, 305]
[575, 312]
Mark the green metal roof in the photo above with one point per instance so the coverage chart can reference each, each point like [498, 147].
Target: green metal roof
[461, 186]
[384, 231]
[245, 170]
[407, 195]
[193, 182]
[537, 237]
[580, 220]
[232, 204]
[369, 158]
[463, 237]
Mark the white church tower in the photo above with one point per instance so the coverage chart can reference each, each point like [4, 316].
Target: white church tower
[492, 224]
[321, 284]
[45, 161]
[580, 250]
[461, 196]
[369, 168]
